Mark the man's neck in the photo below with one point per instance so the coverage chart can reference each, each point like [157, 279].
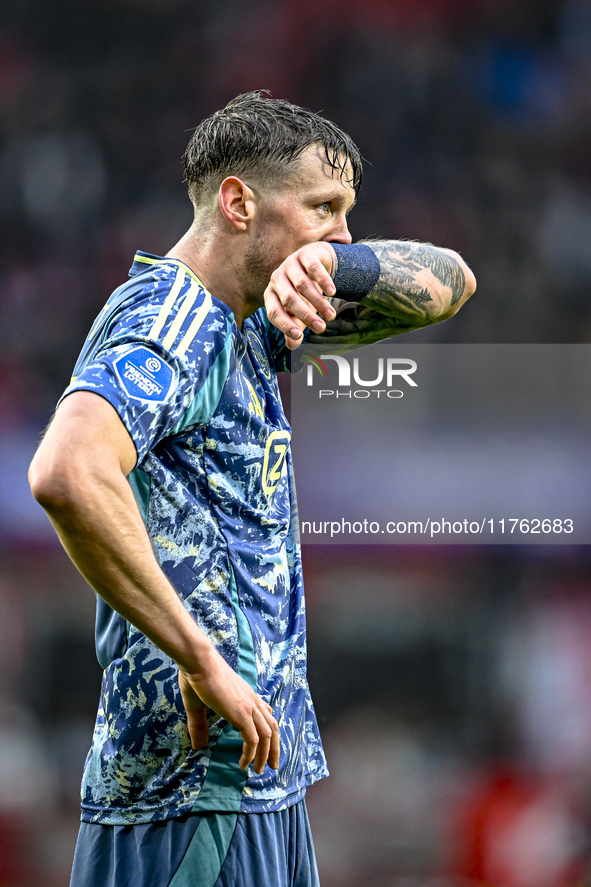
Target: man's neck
[216, 270]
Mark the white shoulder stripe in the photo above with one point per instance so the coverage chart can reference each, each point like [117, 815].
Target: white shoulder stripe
[195, 325]
[187, 303]
[168, 303]
[184, 308]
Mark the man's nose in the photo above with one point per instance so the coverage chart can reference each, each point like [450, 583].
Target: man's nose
[341, 233]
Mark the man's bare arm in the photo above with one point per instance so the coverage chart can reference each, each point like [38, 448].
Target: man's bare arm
[79, 475]
[418, 284]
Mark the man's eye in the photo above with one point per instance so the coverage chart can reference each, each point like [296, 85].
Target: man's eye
[325, 207]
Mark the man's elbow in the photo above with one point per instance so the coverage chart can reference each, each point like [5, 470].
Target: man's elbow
[462, 288]
[470, 285]
[52, 483]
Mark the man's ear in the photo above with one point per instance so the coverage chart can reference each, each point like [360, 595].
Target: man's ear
[237, 202]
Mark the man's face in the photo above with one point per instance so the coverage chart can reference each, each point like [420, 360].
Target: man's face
[312, 205]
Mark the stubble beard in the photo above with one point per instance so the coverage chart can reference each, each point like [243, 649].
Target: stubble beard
[260, 260]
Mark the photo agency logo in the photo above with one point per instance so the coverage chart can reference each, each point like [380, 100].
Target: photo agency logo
[389, 372]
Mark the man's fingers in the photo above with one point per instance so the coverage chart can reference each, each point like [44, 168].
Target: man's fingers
[297, 290]
[301, 294]
[295, 303]
[260, 740]
[288, 325]
[250, 741]
[198, 728]
[247, 756]
[274, 744]
[316, 271]
[317, 261]
[196, 714]
[265, 733]
[294, 281]
[233, 699]
[293, 326]
[275, 748]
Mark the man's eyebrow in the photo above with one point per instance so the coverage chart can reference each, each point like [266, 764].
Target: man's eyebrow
[335, 197]
[341, 199]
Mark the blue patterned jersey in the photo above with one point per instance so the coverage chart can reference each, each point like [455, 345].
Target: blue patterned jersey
[214, 484]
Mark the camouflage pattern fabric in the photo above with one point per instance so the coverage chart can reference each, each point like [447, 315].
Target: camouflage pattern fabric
[214, 484]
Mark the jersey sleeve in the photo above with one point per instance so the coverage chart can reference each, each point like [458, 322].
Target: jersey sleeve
[161, 363]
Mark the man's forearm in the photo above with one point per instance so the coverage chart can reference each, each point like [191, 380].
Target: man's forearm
[100, 527]
[418, 283]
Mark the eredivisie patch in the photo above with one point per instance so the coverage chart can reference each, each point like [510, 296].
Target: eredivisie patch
[143, 375]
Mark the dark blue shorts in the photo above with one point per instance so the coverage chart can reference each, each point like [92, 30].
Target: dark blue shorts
[200, 850]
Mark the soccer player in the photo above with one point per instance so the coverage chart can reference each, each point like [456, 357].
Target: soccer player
[167, 474]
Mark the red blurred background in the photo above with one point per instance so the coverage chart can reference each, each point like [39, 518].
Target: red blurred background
[451, 683]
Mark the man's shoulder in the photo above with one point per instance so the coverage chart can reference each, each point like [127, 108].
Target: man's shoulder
[165, 309]
[166, 303]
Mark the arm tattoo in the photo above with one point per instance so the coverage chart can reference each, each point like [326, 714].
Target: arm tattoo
[399, 291]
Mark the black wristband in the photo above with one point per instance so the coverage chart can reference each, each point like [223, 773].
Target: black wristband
[358, 270]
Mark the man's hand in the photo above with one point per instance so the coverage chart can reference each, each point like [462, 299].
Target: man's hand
[295, 296]
[218, 687]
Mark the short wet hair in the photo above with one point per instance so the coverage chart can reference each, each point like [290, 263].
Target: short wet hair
[262, 137]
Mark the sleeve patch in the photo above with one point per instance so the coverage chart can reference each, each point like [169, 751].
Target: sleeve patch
[144, 376]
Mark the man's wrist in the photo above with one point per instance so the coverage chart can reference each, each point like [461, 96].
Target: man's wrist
[335, 262]
[198, 655]
[356, 272]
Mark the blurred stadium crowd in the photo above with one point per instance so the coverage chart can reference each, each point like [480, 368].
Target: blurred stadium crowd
[469, 762]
